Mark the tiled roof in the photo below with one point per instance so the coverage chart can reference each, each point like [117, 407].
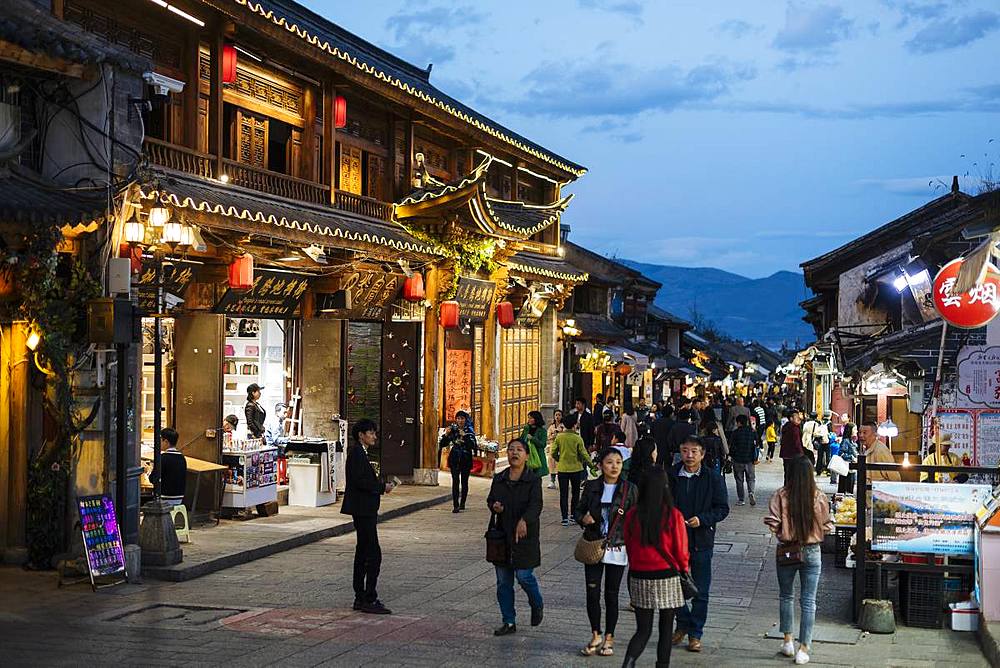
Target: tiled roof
[379, 64]
[26, 197]
[667, 317]
[549, 267]
[599, 328]
[606, 269]
[527, 219]
[246, 210]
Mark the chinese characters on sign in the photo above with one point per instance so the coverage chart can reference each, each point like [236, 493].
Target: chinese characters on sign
[458, 382]
[979, 376]
[176, 277]
[475, 297]
[101, 539]
[371, 292]
[959, 425]
[972, 309]
[273, 295]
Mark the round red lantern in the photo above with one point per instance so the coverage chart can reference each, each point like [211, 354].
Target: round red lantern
[413, 288]
[973, 309]
[228, 64]
[449, 314]
[241, 273]
[505, 314]
[623, 369]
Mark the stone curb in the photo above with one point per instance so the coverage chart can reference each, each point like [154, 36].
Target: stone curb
[988, 641]
[182, 573]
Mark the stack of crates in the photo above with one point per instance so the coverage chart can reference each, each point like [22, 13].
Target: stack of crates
[923, 600]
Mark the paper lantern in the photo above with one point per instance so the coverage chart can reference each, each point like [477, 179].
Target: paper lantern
[158, 216]
[623, 369]
[449, 314]
[172, 233]
[413, 288]
[505, 314]
[228, 64]
[241, 273]
[972, 309]
[340, 112]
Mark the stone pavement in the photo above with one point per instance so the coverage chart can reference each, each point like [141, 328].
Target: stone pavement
[294, 608]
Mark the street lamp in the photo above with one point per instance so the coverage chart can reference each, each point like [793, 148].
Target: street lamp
[159, 215]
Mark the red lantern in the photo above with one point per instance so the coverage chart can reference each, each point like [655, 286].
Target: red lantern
[449, 314]
[413, 288]
[133, 253]
[241, 273]
[973, 309]
[228, 64]
[340, 112]
[505, 314]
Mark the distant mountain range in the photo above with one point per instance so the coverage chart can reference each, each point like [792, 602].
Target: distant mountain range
[762, 309]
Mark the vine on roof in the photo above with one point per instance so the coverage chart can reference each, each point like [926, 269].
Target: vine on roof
[470, 253]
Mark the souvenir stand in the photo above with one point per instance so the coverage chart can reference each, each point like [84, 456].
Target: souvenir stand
[251, 475]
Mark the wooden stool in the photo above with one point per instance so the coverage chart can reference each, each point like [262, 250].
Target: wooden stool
[185, 532]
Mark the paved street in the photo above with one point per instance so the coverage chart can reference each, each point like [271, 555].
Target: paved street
[294, 608]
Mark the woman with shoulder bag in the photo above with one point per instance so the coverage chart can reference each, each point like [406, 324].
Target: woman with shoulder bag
[799, 515]
[535, 436]
[601, 511]
[656, 542]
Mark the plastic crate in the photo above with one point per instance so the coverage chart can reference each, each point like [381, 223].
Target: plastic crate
[842, 545]
[923, 600]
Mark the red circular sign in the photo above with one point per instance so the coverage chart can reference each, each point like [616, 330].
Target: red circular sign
[972, 309]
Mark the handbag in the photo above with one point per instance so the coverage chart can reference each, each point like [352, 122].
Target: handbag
[688, 588]
[534, 460]
[590, 552]
[497, 551]
[788, 554]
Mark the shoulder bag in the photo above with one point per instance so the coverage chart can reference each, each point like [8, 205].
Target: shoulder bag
[688, 588]
[590, 552]
[497, 551]
[788, 554]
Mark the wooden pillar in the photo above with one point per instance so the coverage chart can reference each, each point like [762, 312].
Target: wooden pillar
[6, 363]
[216, 118]
[329, 140]
[308, 158]
[192, 85]
[515, 177]
[490, 376]
[18, 425]
[433, 371]
[408, 164]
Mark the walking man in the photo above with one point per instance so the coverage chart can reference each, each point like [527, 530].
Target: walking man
[700, 494]
[791, 439]
[661, 432]
[743, 450]
[585, 420]
[362, 495]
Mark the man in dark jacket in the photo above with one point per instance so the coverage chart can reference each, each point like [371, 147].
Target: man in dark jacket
[743, 446]
[700, 494]
[363, 491]
[681, 430]
[586, 420]
[791, 439]
[661, 432]
[516, 497]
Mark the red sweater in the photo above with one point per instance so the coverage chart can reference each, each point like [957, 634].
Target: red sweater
[673, 543]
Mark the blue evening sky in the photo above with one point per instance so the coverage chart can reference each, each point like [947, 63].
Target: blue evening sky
[748, 136]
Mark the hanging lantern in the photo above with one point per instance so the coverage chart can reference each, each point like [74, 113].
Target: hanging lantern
[133, 253]
[241, 273]
[340, 112]
[623, 369]
[187, 235]
[449, 314]
[505, 314]
[413, 288]
[172, 233]
[228, 64]
[158, 216]
[135, 232]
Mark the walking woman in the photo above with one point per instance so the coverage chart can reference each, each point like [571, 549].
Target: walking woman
[643, 458]
[603, 504]
[656, 542]
[716, 449]
[461, 438]
[516, 497]
[572, 459]
[555, 428]
[799, 515]
[629, 425]
[535, 436]
[849, 453]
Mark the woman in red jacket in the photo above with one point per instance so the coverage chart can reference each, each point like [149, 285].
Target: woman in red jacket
[657, 546]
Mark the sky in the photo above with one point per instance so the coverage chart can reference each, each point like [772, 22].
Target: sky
[747, 136]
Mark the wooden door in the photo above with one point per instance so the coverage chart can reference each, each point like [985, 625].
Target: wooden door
[350, 169]
[375, 177]
[251, 139]
[321, 371]
[400, 428]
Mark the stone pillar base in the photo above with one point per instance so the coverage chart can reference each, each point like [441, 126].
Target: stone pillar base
[157, 536]
[428, 477]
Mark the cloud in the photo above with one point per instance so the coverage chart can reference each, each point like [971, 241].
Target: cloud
[428, 35]
[738, 28]
[795, 63]
[695, 251]
[815, 28]
[600, 88]
[910, 10]
[920, 186]
[629, 8]
[952, 33]
[618, 129]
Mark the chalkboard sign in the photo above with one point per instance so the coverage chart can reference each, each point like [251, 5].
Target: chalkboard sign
[101, 538]
[274, 295]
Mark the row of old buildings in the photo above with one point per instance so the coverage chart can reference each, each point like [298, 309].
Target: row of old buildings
[200, 196]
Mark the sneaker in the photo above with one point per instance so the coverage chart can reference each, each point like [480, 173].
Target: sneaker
[694, 644]
[753, 500]
[788, 649]
[565, 522]
[741, 502]
[375, 608]
[801, 658]
[505, 630]
[358, 603]
[455, 509]
[552, 485]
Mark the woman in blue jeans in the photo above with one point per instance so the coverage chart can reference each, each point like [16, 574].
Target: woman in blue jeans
[799, 513]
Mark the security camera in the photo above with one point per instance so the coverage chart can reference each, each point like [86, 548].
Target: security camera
[163, 85]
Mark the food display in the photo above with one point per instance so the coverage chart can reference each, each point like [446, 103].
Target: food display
[846, 511]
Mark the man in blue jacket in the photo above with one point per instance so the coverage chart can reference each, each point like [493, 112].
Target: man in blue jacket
[700, 494]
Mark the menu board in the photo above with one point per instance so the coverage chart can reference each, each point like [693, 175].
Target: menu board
[371, 292]
[988, 439]
[960, 425]
[101, 538]
[274, 295]
[458, 382]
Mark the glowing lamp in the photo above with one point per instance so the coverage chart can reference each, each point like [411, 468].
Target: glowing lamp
[187, 235]
[241, 273]
[135, 232]
[340, 112]
[888, 428]
[172, 233]
[906, 459]
[505, 314]
[34, 338]
[228, 64]
[158, 216]
[623, 369]
[413, 288]
[449, 314]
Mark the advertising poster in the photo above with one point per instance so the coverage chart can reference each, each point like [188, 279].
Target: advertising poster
[960, 425]
[925, 517]
[988, 439]
[979, 377]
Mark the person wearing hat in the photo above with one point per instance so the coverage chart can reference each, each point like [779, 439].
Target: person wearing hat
[256, 415]
[942, 456]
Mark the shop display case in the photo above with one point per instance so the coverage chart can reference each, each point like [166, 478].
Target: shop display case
[251, 477]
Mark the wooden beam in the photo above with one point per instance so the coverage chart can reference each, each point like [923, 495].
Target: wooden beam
[20, 425]
[192, 72]
[308, 133]
[329, 140]
[216, 118]
[17, 55]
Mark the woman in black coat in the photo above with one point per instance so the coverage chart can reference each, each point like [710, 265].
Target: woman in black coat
[461, 438]
[254, 412]
[516, 499]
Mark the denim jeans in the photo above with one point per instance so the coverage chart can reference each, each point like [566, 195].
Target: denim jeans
[691, 618]
[809, 571]
[505, 590]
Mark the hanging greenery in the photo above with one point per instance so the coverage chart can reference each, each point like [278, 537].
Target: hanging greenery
[470, 253]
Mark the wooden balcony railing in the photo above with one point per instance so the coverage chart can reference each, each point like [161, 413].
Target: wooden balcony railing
[274, 183]
[365, 206]
[179, 158]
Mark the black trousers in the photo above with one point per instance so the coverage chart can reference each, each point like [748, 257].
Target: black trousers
[612, 585]
[644, 629]
[569, 482]
[456, 478]
[822, 456]
[770, 449]
[367, 558]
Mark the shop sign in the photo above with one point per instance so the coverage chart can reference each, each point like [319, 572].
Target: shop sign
[177, 275]
[101, 537]
[973, 309]
[474, 297]
[925, 517]
[274, 295]
[370, 292]
[988, 439]
[960, 425]
[532, 309]
[979, 376]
